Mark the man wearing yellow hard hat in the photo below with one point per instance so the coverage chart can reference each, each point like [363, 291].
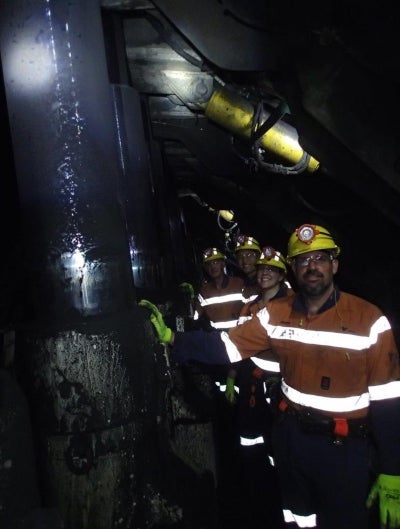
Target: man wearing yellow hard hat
[340, 390]
[217, 306]
[220, 298]
[247, 252]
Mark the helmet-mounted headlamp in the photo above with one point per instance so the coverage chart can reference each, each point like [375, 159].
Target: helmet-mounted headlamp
[309, 237]
[270, 256]
[245, 242]
[306, 233]
[269, 252]
[210, 254]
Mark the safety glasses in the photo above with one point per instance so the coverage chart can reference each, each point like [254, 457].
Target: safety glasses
[319, 259]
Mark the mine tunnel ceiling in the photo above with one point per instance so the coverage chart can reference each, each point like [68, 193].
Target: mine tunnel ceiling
[332, 67]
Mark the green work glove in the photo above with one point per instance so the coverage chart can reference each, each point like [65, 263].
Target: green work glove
[188, 289]
[164, 333]
[387, 488]
[230, 390]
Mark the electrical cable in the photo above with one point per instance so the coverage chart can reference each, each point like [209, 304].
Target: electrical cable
[259, 130]
[170, 39]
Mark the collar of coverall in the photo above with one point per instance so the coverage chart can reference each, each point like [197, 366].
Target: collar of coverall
[300, 304]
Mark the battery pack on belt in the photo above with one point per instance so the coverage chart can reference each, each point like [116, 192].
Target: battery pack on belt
[341, 427]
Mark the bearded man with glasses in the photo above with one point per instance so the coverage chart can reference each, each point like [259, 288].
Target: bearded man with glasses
[340, 390]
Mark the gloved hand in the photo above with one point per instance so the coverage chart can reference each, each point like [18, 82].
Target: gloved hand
[387, 488]
[164, 333]
[230, 390]
[188, 289]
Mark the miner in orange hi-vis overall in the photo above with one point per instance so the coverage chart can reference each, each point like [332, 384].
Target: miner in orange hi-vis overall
[336, 439]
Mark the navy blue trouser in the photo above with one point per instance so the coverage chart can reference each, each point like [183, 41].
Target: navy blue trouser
[320, 477]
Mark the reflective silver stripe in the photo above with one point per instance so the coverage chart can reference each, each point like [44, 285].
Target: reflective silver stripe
[329, 339]
[267, 365]
[385, 391]
[248, 441]
[381, 325]
[242, 319]
[272, 461]
[250, 298]
[222, 387]
[263, 316]
[234, 356]
[218, 324]
[231, 350]
[301, 521]
[223, 324]
[216, 300]
[336, 404]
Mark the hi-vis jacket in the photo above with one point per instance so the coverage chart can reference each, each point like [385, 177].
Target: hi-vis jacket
[251, 289]
[254, 417]
[248, 311]
[221, 306]
[341, 362]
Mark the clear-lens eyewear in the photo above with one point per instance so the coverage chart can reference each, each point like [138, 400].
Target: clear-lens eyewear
[249, 253]
[267, 268]
[319, 259]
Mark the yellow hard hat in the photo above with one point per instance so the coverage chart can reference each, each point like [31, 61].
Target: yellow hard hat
[271, 257]
[245, 242]
[310, 237]
[210, 254]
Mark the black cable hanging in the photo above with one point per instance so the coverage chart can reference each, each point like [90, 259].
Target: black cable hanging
[257, 131]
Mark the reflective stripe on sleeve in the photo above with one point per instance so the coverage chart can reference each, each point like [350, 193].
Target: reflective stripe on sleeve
[385, 391]
[381, 325]
[216, 300]
[223, 324]
[243, 319]
[267, 365]
[251, 441]
[231, 350]
[301, 521]
[331, 404]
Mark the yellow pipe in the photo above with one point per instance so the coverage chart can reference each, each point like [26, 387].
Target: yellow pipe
[235, 113]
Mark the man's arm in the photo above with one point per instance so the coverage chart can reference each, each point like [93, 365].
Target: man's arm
[213, 347]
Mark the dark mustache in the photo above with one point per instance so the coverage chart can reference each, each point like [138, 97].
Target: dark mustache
[312, 273]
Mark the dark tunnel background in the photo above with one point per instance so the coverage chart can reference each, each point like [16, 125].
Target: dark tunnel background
[203, 163]
[164, 168]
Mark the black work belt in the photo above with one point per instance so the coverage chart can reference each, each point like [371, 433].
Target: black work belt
[312, 422]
